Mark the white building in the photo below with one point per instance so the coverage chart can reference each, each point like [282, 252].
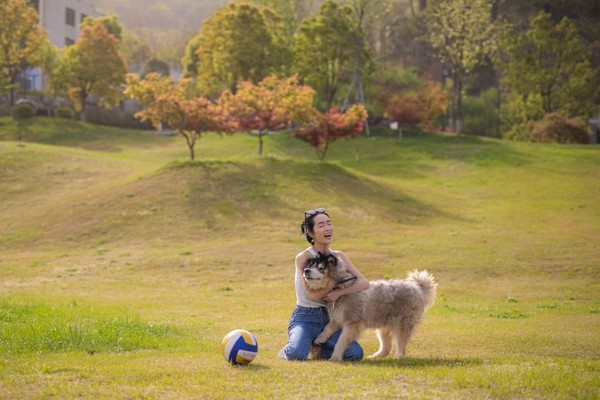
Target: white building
[61, 19]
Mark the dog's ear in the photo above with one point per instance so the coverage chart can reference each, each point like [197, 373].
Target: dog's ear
[310, 262]
[332, 260]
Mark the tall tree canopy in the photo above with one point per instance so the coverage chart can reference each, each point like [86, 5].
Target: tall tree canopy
[324, 52]
[546, 69]
[92, 66]
[240, 42]
[462, 35]
[21, 42]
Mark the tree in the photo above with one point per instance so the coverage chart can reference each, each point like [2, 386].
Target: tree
[423, 106]
[21, 42]
[462, 35]
[165, 101]
[331, 126]
[93, 66]
[270, 105]
[362, 12]
[135, 50]
[293, 12]
[240, 42]
[110, 22]
[155, 65]
[546, 70]
[324, 55]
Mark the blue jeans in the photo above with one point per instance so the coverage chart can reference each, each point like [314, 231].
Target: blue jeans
[306, 323]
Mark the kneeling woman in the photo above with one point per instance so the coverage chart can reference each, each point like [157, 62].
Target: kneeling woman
[310, 315]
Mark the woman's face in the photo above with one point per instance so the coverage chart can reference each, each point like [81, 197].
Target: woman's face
[323, 229]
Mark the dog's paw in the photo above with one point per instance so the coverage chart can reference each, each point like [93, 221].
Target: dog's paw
[335, 358]
[315, 352]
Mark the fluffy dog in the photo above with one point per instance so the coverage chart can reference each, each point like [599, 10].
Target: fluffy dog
[394, 308]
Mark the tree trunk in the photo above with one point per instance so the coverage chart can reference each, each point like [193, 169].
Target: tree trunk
[260, 142]
[82, 98]
[459, 104]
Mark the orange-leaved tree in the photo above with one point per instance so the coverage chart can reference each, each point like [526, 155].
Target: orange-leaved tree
[94, 66]
[270, 105]
[331, 126]
[166, 102]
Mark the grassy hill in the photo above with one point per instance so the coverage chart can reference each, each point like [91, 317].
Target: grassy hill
[148, 260]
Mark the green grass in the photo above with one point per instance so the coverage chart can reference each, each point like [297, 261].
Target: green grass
[38, 328]
[123, 264]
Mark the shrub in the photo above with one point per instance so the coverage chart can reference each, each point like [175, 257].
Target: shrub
[479, 117]
[406, 109]
[555, 128]
[23, 111]
[65, 112]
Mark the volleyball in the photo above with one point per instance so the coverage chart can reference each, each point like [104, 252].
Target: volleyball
[239, 347]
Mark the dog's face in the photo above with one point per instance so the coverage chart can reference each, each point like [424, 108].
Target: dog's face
[317, 271]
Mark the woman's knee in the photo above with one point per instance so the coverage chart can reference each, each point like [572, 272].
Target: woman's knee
[354, 352]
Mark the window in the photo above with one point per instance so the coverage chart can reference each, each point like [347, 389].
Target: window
[83, 16]
[70, 16]
[69, 41]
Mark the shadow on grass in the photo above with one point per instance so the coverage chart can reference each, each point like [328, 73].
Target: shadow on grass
[270, 186]
[253, 367]
[410, 362]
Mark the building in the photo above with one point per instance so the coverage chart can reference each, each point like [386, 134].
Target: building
[61, 19]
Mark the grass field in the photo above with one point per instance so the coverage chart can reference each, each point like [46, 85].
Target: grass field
[123, 264]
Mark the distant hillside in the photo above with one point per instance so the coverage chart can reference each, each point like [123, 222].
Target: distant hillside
[160, 14]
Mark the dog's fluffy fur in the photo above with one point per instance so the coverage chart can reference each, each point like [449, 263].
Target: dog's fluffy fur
[394, 308]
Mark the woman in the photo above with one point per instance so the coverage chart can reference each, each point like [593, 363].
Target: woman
[310, 315]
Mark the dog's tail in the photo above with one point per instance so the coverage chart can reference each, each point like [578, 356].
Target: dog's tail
[427, 284]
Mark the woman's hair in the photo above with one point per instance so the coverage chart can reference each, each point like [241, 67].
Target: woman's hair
[309, 224]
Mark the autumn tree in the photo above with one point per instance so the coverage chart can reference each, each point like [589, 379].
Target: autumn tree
[93, 66]
[462, 35]
[240, 42]
[324, 53]
[270, 105]
[545, 70]
[333, 125]
[166, 102]
[21, 42]
[110, 22]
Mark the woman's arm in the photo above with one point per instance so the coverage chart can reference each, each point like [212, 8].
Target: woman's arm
[359, 285]
[314, 295]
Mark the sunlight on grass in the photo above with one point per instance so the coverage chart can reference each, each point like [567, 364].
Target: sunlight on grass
[31, 328]
[123, 264]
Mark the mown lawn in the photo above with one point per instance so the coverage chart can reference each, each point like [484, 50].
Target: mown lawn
[123, 264]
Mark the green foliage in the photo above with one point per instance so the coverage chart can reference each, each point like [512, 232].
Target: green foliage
[324, 51]
[23, 110]
[27, 328]
[21, 42]
[191, 59]
[480, 116]
[94, 66]
[555, 128]
[462, 35]
[546, 70]
[240, 42]
[110, 22]
[64, 112]
[158, 66]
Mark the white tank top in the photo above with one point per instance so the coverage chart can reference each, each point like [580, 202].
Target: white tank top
[301, 297]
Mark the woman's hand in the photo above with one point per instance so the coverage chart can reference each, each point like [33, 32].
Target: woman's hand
[332, 296]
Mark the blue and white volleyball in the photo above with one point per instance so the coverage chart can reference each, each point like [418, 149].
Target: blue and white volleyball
[239, 347]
